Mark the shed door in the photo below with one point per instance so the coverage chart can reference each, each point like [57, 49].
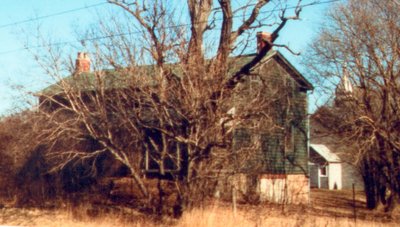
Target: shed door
[313, 176]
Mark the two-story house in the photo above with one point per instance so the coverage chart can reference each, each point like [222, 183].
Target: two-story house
[276, 153]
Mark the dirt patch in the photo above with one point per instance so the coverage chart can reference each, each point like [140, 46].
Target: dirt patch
[335, 203]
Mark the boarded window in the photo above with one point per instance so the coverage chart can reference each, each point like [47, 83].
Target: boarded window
[290, 139]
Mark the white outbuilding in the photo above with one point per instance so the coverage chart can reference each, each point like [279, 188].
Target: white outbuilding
[325, 168]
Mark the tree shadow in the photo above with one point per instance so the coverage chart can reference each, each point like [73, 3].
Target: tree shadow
[340, 203]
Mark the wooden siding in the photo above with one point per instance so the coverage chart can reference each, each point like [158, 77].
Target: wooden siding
[272, 156]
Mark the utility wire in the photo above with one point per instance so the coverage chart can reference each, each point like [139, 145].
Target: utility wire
[129, 33]
[51, 15]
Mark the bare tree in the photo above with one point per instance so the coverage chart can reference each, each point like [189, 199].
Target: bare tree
[359, 50]
[174, 115]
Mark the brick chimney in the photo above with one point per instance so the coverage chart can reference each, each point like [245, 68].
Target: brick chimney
[263, 39]
[82, 63]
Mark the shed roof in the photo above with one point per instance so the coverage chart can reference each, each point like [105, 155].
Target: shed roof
[325, 152]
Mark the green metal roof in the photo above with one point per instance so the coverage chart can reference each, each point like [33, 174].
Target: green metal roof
[108, 79]
[118, 79]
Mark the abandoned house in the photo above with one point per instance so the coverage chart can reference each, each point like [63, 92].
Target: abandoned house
[282, 155]
[277, 169]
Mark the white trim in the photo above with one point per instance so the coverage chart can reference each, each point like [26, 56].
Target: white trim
[324, 152]
[326, 170]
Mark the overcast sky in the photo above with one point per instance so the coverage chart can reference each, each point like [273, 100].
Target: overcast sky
[58, 19]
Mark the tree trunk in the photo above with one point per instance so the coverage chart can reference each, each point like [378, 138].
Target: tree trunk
[391, 202]
[199, 12]
[370, 186]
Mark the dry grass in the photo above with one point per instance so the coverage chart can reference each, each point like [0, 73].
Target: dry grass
[66, 217]
[220, 217]
[328, 208]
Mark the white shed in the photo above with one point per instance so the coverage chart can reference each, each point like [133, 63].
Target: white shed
[325, 168]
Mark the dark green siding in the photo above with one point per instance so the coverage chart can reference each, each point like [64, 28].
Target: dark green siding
[297, 162]
[273, 154]
[282, 151]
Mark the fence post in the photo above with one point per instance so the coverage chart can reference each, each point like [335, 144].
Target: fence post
[354, 205]
[234, 201]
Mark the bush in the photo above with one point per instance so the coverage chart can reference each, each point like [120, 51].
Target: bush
[16, 140]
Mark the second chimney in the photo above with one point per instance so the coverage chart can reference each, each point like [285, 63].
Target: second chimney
[82, 64]
[263, 39]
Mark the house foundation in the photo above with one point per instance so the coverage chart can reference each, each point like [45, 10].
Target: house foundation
[275, 188]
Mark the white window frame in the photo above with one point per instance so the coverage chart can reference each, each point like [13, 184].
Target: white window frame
[320, 170]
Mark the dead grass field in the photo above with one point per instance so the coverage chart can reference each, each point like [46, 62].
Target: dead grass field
[327, 208]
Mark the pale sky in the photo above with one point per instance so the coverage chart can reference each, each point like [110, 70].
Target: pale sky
[18, 24]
